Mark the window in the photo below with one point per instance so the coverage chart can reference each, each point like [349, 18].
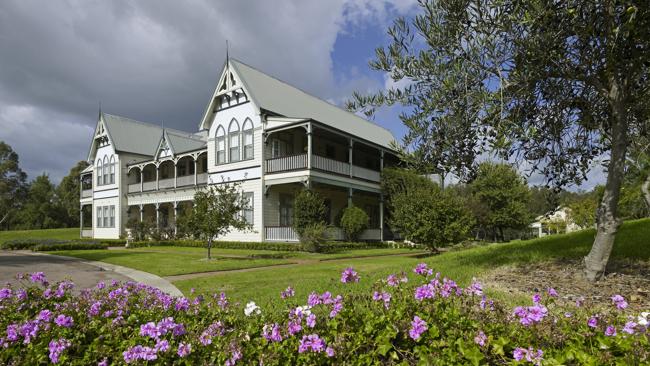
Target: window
[233, 141]
[248, 211]
[112, 172]
[248, 139]
[99, 172]
[105, 170]
[286, 210]
[99, 217]
[105, 216]
[220, 146]
[112, 216]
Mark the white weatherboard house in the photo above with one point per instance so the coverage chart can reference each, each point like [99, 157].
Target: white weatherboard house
[272, 138]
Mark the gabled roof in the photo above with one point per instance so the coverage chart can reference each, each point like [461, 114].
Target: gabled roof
[142, 138]
[279, 97]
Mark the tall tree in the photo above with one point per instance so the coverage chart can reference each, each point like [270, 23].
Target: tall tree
[504, 193]
[67, 193]
[556, 84]
[12, 183]
[217, 211]
[40, 210]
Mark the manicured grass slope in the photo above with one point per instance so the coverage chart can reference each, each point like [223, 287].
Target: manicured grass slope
[62, 234]
[633, 241]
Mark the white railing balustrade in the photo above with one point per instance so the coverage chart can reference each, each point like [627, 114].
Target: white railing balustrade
[335, 233]
[166, 183]
[330, 165]
[149, 186]
[135, 187]
[284, 163]
[86, 193]
[186, 180]
[280, 233]
[370, 234]
[202, 178]
[367, 174]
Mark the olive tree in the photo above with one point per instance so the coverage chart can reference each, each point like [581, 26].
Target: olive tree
[554, 85]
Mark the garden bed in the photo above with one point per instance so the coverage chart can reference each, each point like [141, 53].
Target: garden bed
[624, 276]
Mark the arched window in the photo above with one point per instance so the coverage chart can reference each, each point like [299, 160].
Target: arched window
[233, 141]
[98, 172]
[248, 139]
[105, 170]
[112, 172]
[220, 146]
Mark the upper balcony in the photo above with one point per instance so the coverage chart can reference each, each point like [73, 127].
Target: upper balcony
[183, 172]
[309, 147]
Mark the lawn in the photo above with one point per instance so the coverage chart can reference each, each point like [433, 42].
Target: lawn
[633, 241]
[62, 234]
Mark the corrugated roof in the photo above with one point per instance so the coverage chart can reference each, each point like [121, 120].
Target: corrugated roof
[279, 97]
[142, 138]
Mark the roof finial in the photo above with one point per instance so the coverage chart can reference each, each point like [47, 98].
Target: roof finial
[99, 114]
[227, 53]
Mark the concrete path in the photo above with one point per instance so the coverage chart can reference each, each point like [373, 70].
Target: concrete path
[83, 273]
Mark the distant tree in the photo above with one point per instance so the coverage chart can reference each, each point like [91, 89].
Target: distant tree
[583, 211]
[554, 84]
[41, 210]
[67, 193]
[218, 210]
[13, 186]
[504, 193]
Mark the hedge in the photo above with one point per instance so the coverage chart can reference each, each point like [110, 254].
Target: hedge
[69, 246]
[24, 244]
[284, 247]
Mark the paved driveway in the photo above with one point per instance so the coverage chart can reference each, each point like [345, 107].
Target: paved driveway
[55, 268]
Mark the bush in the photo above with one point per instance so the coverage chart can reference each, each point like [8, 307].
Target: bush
[313, 237]
[286, 247]
[427, 320]
[71, 245]
[308, 209]
[140, 230]
[23, 244]
[354, 221]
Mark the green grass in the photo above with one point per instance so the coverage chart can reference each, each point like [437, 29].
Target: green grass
[62, 234]
[263, 286]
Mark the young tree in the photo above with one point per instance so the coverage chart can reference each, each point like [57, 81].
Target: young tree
[12, 183]
[308, 210]
[554, 84]
[354, 221]
[504, 193]
[67, 193]
[218, 210]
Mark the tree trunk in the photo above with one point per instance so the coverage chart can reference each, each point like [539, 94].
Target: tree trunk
[607, 214]
[209, 247]
[645, 188]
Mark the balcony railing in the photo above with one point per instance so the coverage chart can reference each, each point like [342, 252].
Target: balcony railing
[186, 180]
[297, 162]
[166, 183]
[286, 163]
[86, 193]
[370, 234]
[280, 233]
[149, 186]
[202, 178]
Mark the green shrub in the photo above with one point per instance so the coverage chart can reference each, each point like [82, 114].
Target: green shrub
[286, 247]
[354, 221]
[313, 237]
[71, 245]
[23, 244]
[140, 230]
[308, 209]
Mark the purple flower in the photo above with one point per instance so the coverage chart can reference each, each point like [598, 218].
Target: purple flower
[184, 349]
[44, 316]
[337, 306]
[12, 332]
[311, 343]
[311, 320]
[294, 327]
[579, 301]
[21, 294]
[95, 308]
[287, 293]
[529, 354]
[100, 285]
[162, 345]
[139, 353]
[56, 347]
[531, 314]
[5, 293]
[235, 355]
[475, 288]
[349, 275]
[537, 298]
[424, 292]
[519, 353]
[149, 330]
[592, 322]
[38, 277]
[313, 299]
[629, 327]
[392, 280]
[551, 292]
[382, 296]
[329, 351]
[63, 321]
[619, 301]
[103, 362]
[182, 304]
[418, 326]
[610, 331]
[272, 333]
[223, 301]
[423, 270]
[480, 339]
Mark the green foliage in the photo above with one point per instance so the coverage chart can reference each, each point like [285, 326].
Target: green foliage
[354, 221]
[41, 245]
[583, 211]
[424, 213]
[13, 186]
[313, 237]
[140, 230]
[285, 247]
[41, 210]
[67, 195]
[308, 209]
[503, 196]
[217, 210]
[632, 204]
[71, 245]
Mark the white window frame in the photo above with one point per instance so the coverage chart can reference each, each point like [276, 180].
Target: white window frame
[99, 172]
[105, 170]
[105, 216]
[234, 135]
[112, 216]
[99, 216]
[250, 210]
[247, 140]
[220, 139]
[112, 169]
